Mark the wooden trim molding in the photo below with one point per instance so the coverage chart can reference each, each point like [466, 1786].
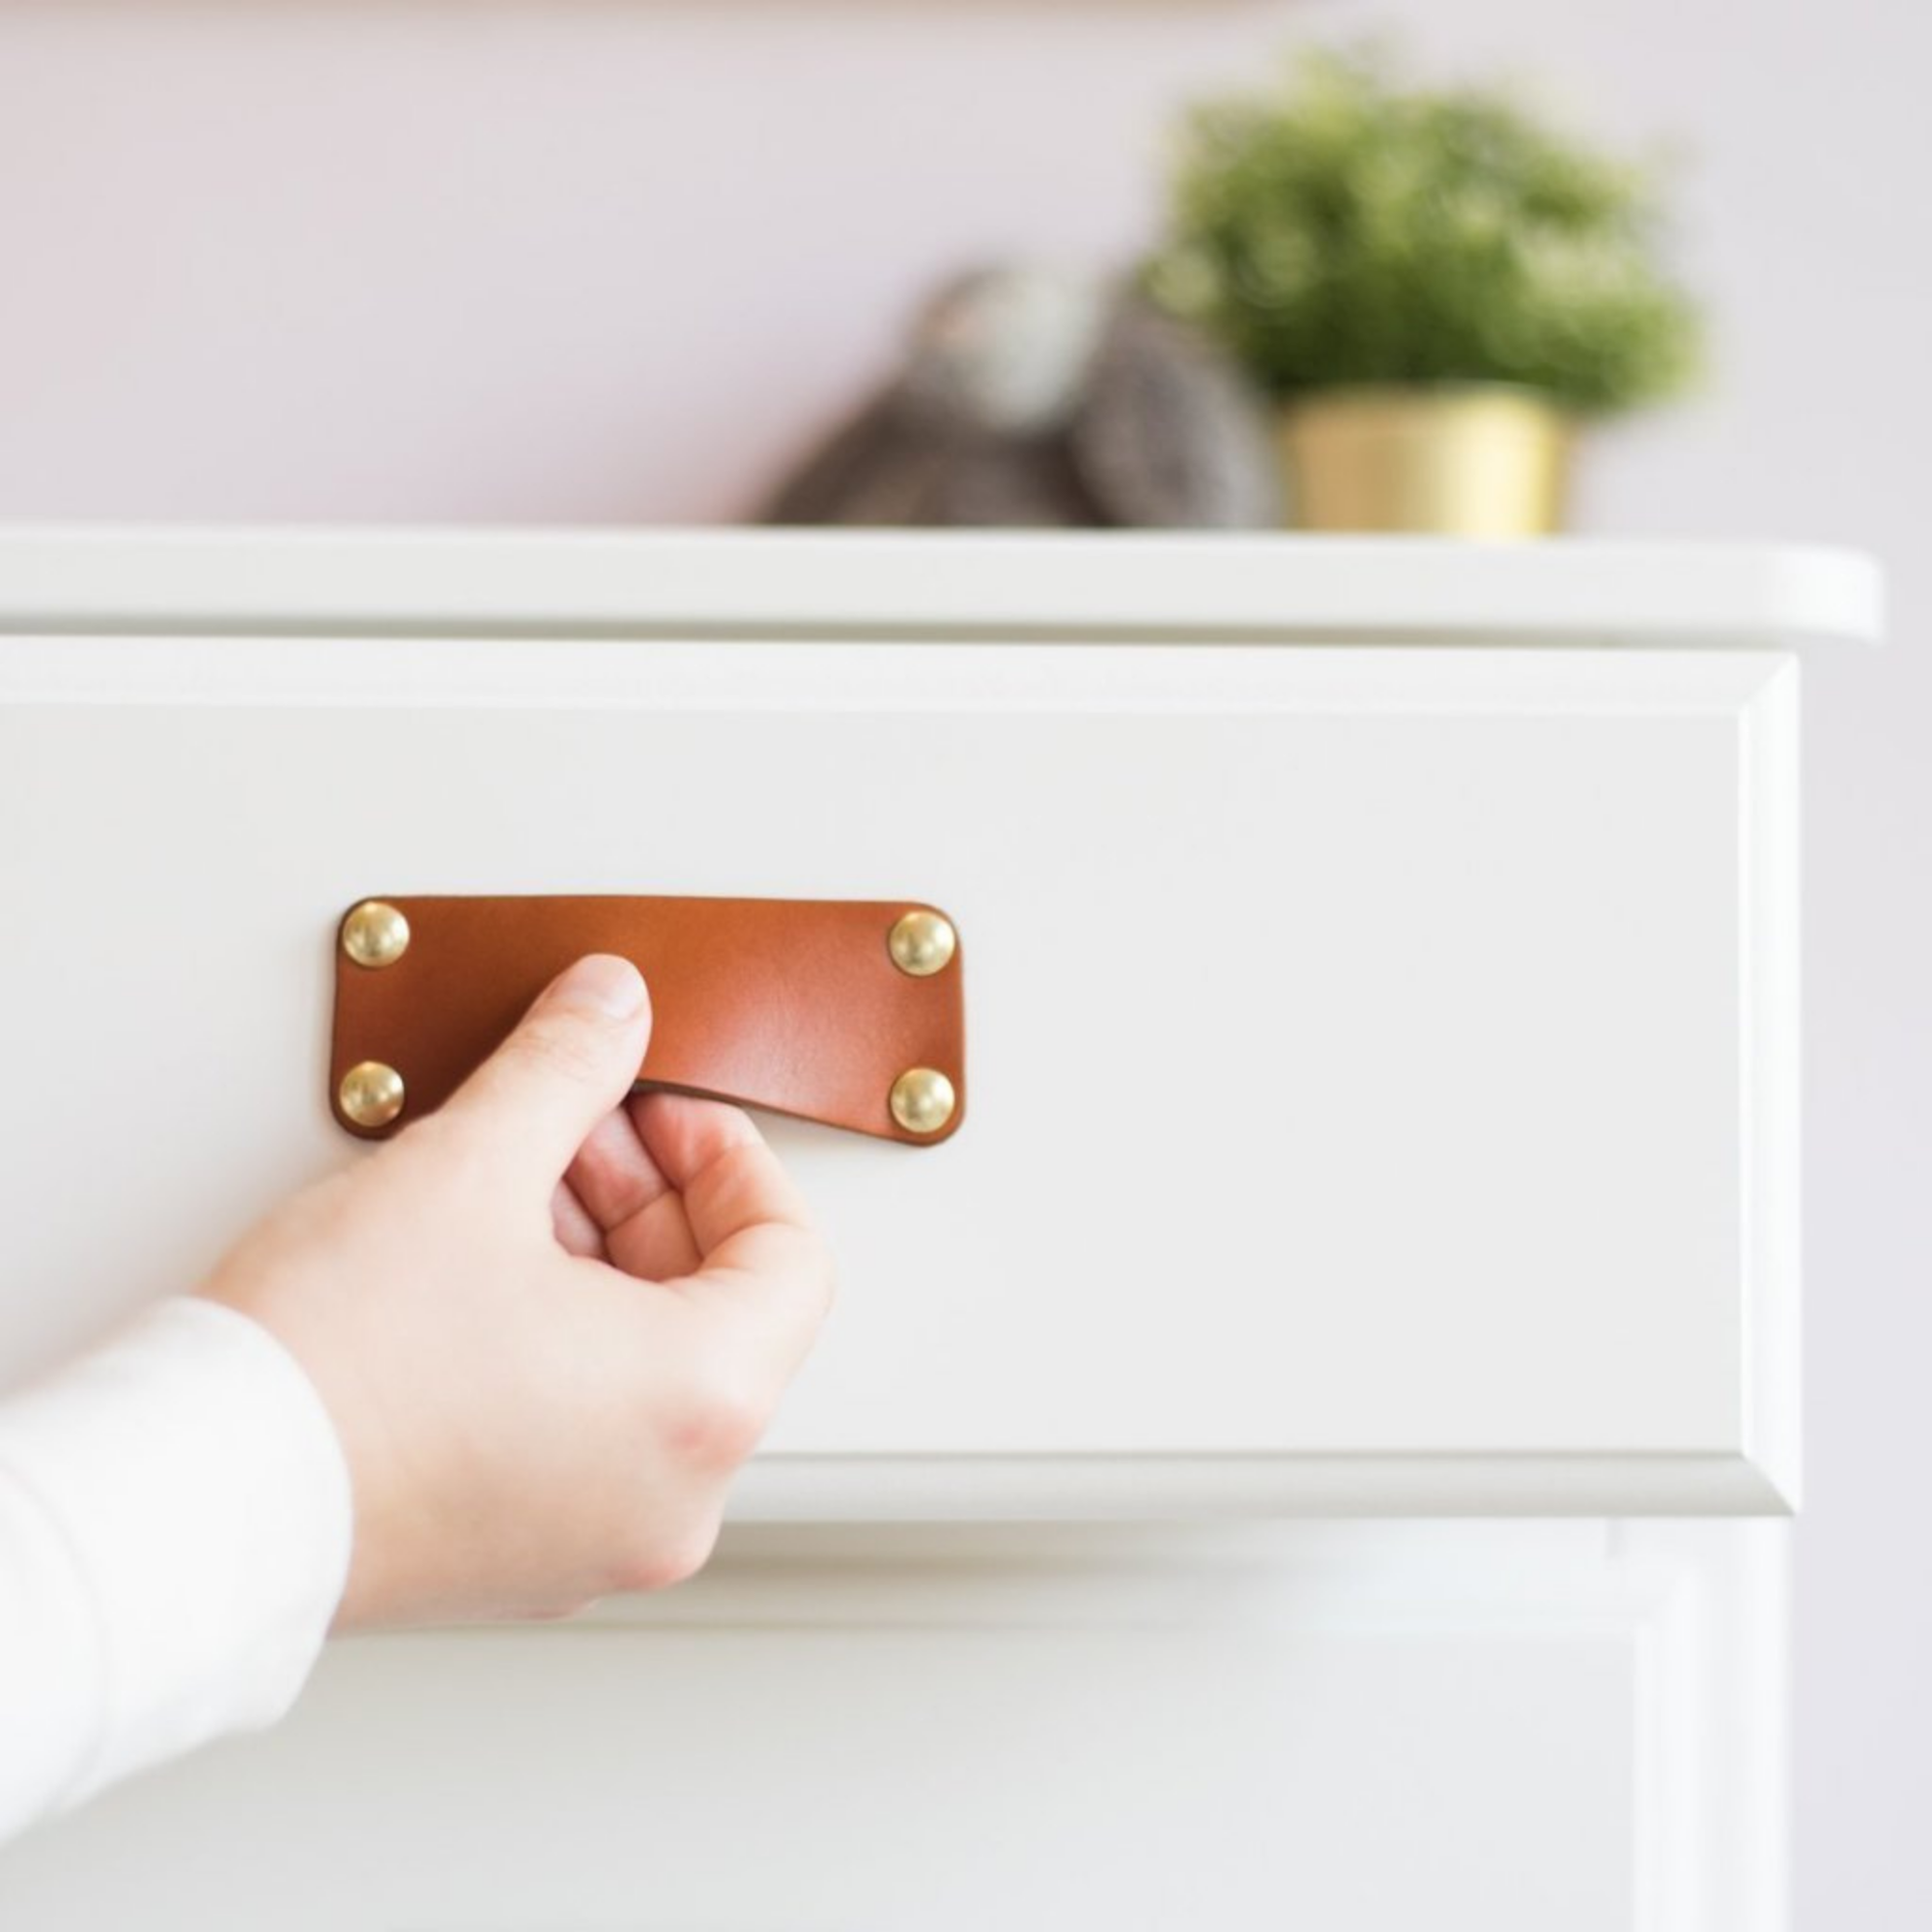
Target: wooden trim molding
[900, 585]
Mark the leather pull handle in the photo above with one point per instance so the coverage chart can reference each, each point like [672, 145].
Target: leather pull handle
[849, 1013]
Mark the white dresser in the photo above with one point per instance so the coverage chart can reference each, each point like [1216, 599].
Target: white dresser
[1232, 1490]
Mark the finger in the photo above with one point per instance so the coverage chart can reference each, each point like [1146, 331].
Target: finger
[759, 1243]
[572, 1058]
[614, 1174]
[713, 1154]
[639, 1212]
[577, 1232]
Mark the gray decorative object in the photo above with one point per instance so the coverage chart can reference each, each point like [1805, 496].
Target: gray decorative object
[1035, 397]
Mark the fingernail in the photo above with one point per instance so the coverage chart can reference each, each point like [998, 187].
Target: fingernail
[604, 984]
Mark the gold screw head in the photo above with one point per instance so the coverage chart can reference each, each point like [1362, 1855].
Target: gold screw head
[371, 1095]
[922, 1099]
[375, 934]
[922, 944]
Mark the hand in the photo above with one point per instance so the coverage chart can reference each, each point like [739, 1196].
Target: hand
[549, 1321]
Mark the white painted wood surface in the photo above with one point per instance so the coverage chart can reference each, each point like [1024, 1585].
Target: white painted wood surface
[1382, 1059]
[1356, 1727]
[1384, 1099]
[793, 582]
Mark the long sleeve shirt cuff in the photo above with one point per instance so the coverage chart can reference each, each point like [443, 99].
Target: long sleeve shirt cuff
[175, 1531]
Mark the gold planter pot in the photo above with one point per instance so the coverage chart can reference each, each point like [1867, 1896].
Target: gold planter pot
[1466, 461]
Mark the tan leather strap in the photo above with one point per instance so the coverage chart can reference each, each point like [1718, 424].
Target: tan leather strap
[795, 1005]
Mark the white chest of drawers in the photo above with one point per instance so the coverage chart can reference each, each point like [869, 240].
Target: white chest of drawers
[1382, 1010]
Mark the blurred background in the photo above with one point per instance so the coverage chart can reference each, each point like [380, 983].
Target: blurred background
[617, 261]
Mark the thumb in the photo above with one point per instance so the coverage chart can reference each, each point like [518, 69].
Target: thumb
[572, 1058]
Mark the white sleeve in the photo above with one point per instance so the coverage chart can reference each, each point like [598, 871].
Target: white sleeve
[175, 1526]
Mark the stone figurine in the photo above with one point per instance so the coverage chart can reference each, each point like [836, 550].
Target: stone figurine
[1031, 397]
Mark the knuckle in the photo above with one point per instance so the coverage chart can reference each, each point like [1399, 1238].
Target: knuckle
[716, 1422]
[662, 1559]
[691, 1551]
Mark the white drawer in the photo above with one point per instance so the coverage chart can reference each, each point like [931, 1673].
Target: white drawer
[1360, 1727]
[1383, 1056]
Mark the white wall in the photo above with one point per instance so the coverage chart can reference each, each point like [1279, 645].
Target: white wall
[610, 260]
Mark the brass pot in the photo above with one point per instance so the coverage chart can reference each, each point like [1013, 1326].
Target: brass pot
[1476, 459]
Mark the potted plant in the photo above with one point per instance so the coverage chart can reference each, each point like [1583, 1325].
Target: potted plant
[1435, 287]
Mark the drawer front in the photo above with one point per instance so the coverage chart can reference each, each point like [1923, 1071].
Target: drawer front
[1382, 1061]
[1360, 1727]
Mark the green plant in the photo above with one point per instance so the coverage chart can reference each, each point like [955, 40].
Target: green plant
[1345, 229]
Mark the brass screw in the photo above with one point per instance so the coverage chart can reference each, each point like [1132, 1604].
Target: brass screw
[922, 944]
[922, 1099]
[371, 1095]
[375, 934]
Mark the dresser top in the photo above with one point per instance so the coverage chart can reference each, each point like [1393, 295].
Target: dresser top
[1108, 585]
